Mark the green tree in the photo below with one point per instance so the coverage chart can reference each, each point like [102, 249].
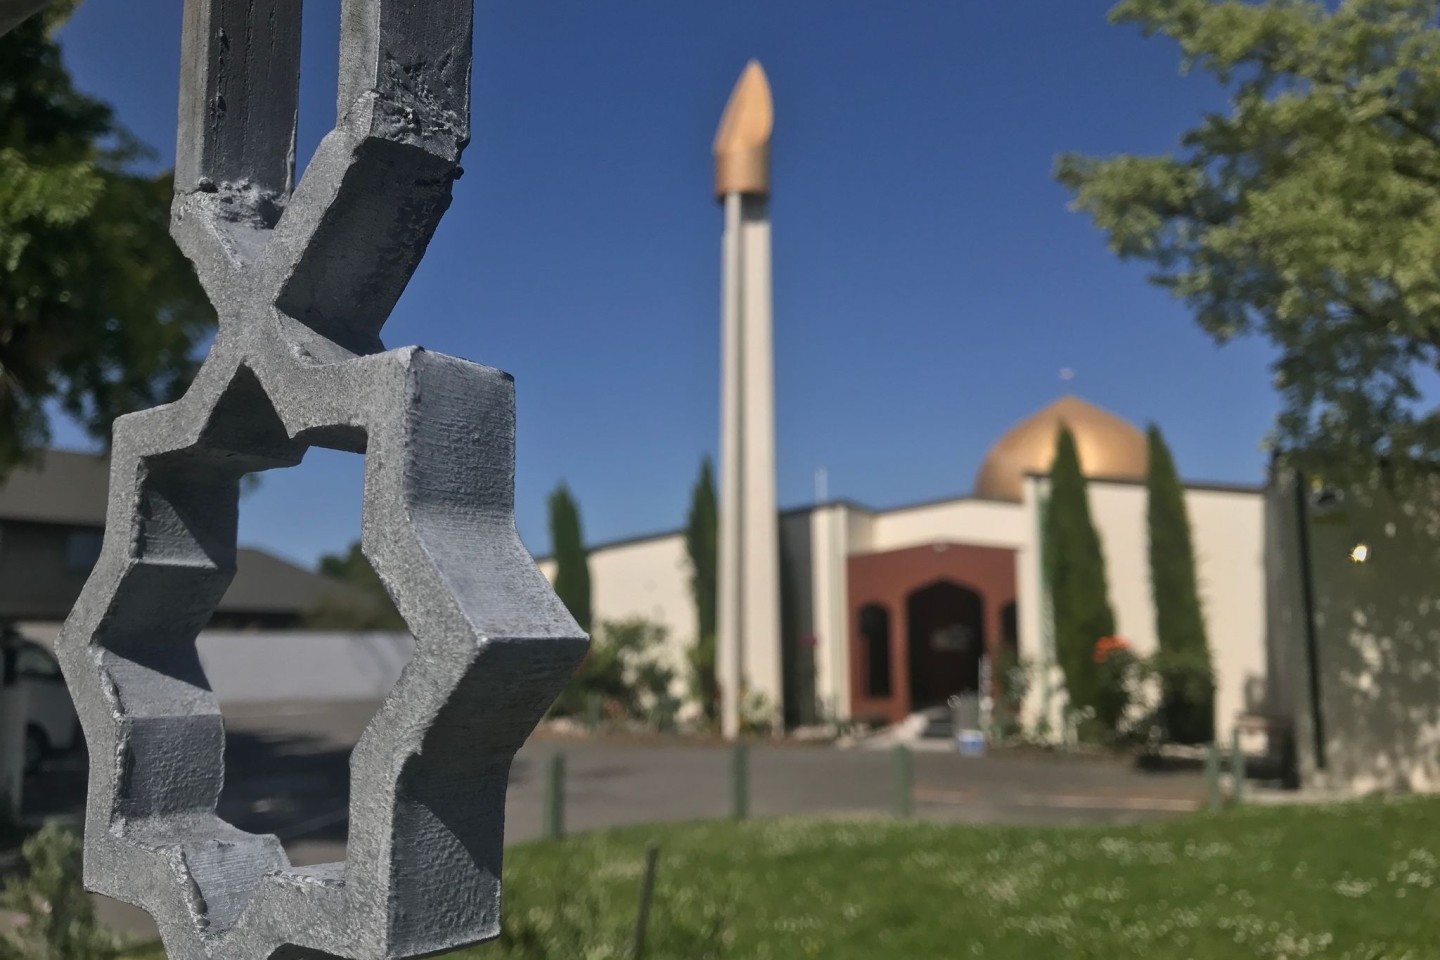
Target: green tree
[57, 916]
[1075, 571]
[625, 671]
[99, 311]
[702, 545]
[379, 613]
[572, 561]
[1183, 656]
[1308, 213]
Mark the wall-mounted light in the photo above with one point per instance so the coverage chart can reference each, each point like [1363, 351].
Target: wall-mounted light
[1327, 504]
[1359, 553]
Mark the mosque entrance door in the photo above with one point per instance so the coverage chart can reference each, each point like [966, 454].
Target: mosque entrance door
[946, 640]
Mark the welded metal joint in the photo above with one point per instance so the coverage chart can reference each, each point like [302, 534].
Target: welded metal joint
[302, 278]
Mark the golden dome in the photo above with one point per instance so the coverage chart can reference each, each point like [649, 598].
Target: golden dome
[1108, 447]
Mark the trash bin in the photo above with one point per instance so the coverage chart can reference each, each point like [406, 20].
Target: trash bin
[965, 721]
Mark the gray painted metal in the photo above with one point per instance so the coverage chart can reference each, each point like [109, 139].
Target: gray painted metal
[302, 280]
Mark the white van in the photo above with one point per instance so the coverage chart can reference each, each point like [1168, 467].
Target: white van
[51, 724]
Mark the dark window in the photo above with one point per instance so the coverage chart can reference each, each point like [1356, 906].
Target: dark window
[82, 549]
[875, 634]
[36, 663]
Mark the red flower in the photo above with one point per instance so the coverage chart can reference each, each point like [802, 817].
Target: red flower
[1108, 645]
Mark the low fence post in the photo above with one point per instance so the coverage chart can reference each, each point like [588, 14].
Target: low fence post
[740, 781]
[555, 797]
[647, 891]
[904, 781]
[1212, 778]
[1237, 767]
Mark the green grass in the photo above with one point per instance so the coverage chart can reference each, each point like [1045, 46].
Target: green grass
[1357, 881]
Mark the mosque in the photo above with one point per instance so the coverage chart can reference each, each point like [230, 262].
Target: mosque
[1321, 608]
[1320, 603]
[886, 612]
[840, 611]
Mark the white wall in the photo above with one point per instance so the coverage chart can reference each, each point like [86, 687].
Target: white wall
[1228, 532]
[261, 666]
[270, 665]
[830, 528]
[645, 578]
[1045, 696]
[981, 523]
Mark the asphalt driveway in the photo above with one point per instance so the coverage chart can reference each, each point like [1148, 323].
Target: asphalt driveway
[288, 773]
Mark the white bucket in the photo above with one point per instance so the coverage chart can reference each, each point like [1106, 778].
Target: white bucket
[970, 743]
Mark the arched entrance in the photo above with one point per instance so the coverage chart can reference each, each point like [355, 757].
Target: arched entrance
[920, 620]
[946, 638]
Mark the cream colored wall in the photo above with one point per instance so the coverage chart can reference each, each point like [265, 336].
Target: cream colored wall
[859, 530]
[1032, 614]
[830, 529]
[1229, 535]
[1118, 512]
[981, 523]
[645, 578]
[1228, 531]
[1045, 695]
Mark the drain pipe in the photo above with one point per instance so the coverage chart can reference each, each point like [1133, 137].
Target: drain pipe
[1307, 602]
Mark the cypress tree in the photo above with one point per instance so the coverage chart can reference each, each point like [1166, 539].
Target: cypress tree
[1075, 569]
[701, 544]
[572, 561]
[1186, 680]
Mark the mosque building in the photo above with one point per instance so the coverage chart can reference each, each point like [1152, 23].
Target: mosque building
[1321, 613]
[887, 612]
[840, 611]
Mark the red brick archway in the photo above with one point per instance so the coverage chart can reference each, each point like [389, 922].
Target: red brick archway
[880, 587]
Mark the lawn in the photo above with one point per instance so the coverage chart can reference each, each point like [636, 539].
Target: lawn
[1350, 881]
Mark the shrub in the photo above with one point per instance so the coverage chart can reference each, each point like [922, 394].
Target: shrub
[57, 915]
[624, 671]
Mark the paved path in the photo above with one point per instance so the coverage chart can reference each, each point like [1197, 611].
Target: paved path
[289, 775]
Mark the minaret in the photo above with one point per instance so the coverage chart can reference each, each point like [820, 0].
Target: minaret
[748, 628]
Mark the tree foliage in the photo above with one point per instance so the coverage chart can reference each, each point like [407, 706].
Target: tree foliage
[56, 913]
[702, 548]
[624, 672]
[1183, 655]
[1309, 213]
[99, 311]
[572, 561]
[379, 613]
[1075, 572]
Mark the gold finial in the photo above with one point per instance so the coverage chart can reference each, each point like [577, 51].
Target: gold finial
[742, 144]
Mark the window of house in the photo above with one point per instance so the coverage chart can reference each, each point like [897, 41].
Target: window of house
[82, 549]
[37, 663]
[875, 635]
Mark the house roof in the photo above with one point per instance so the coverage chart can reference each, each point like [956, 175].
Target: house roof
[71, 489]
[265, 583]
[59, 486]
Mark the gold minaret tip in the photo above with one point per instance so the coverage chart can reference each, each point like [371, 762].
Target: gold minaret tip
[742, 144]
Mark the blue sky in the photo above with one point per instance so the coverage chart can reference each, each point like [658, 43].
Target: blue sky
[930, 283]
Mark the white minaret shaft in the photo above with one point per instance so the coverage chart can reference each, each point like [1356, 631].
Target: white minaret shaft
[729, 662]
[748, 630]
